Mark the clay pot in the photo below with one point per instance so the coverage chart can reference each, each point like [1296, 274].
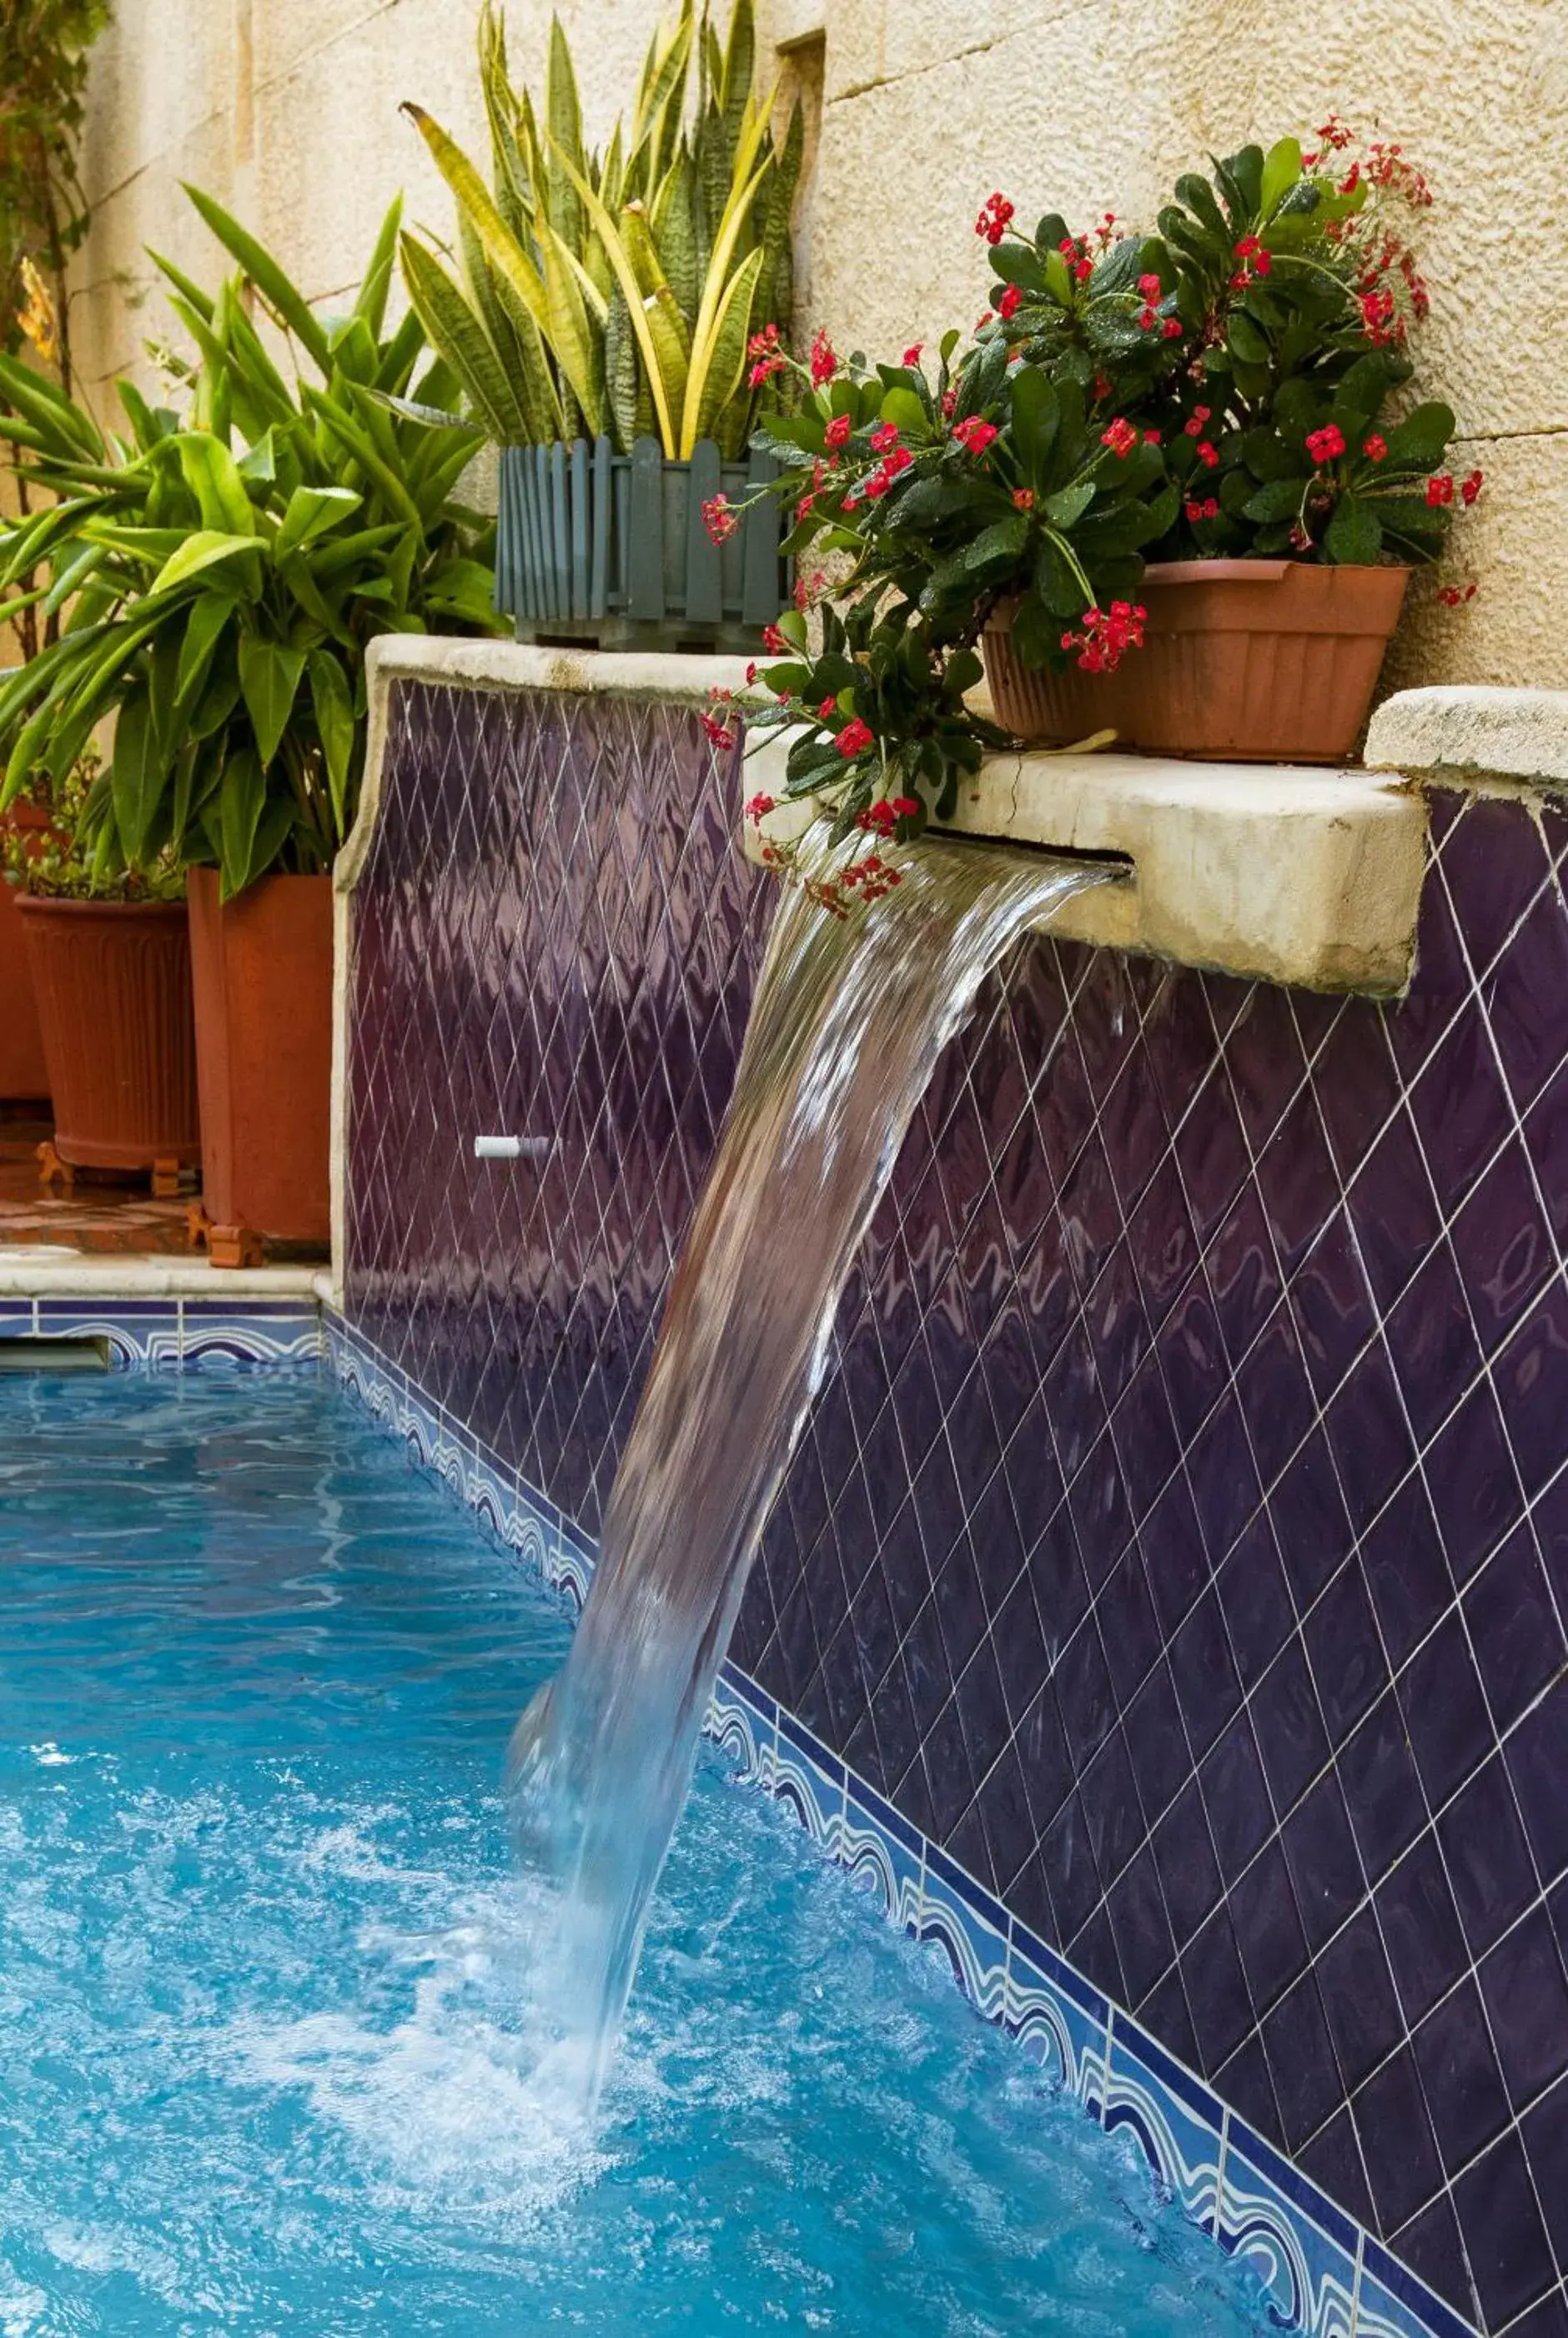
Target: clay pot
[23, 1070]
[112, 981]
[1245, 661]
[262, 964]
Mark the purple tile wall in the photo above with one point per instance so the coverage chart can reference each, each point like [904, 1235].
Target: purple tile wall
[1180, 1539]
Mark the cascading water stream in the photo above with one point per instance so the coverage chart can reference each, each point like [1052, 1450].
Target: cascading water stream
[848, 1020]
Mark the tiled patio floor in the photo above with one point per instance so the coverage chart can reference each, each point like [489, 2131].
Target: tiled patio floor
[98, 1216]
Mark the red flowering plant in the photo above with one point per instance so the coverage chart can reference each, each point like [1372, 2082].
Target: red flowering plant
[879, 733]
[996, 477]
[1261, 334]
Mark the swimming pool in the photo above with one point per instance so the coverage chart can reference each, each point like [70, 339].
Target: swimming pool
[264, 2061]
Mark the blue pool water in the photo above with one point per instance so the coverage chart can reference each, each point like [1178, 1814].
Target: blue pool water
[265, 2064]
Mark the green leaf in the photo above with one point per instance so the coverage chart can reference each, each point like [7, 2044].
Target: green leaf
[282, 296]
[1281, 169]
[269, 681]
[1423, 436]
[1276, 499]
[1355, 535]
[242, 796]
[213, 477]
[336, 725]
[1068, 505]
[309, 513]
[1036, 414]
[371, 304]
[202, 550]
[903, 407]
[204, 629]
[1248, 341]
[136, 775]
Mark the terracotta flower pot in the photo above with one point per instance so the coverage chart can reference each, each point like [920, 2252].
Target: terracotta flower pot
[1246, 661]
[23, 1070]
[262, 964]
[113, 985]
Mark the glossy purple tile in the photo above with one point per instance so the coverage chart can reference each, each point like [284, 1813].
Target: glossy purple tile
[1156, 1431]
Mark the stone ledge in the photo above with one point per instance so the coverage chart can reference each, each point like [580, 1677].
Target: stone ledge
[46, 1276]
[1472, 733]
[1283, 873]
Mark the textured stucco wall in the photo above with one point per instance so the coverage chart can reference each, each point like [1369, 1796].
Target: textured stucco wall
[288, 109]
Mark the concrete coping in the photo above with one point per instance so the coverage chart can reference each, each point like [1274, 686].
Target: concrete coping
[39, 1271]
[1280, 872]
[1288, 874]
[1472, 734]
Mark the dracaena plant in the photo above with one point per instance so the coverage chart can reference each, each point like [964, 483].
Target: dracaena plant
[615, 293]
[220, 568]
[1262, 332]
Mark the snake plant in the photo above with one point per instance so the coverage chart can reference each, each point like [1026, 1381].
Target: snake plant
[615, 293]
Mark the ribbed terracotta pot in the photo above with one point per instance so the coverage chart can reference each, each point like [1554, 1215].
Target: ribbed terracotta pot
[1246, 661]
[112, 981]
[23, 1070]
[262, 964]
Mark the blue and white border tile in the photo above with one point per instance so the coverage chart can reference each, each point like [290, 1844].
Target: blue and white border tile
[956, 1912]
[1060, 2019]
[1321, 2275]
[1304, 2251]
[881, 1852]
[1173, 2115]
[175, 1334]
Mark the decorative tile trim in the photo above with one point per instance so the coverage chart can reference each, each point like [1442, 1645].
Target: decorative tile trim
[176, 1334]
[1322, 2275]
[1305, 2251]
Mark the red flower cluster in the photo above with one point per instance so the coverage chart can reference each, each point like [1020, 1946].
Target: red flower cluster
[1208, 509]
[839, 431]
[758, 809]
[1011, 301]
[885, 436]
[1207, 456]
[1075, 251]
[870, 877]
[995, 216]
[715, 723]
[1120, 437]
[720, 519]
[854, 739]
[1024, 498]
[973, 434]
[1374, 448]
[824, 360]
[772, 639]
[896, 461]
[1255, 261]
[1193, 426]
[883, 818]
[1326, 446]
[1451, 596]
[1378, 319]
[1440, 489]
[1387, 168]
[1471, 487]
[768, 355]
[911, 356]
[1104, 636]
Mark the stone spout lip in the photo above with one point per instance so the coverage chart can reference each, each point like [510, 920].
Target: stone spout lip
[1282, 873]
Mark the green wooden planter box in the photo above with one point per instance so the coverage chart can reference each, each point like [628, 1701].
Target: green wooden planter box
[610, 549]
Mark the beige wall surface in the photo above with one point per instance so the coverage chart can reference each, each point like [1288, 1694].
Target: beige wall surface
[288, 111]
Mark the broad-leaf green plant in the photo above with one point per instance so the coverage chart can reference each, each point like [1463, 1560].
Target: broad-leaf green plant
[615, 293]
[222, 567]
